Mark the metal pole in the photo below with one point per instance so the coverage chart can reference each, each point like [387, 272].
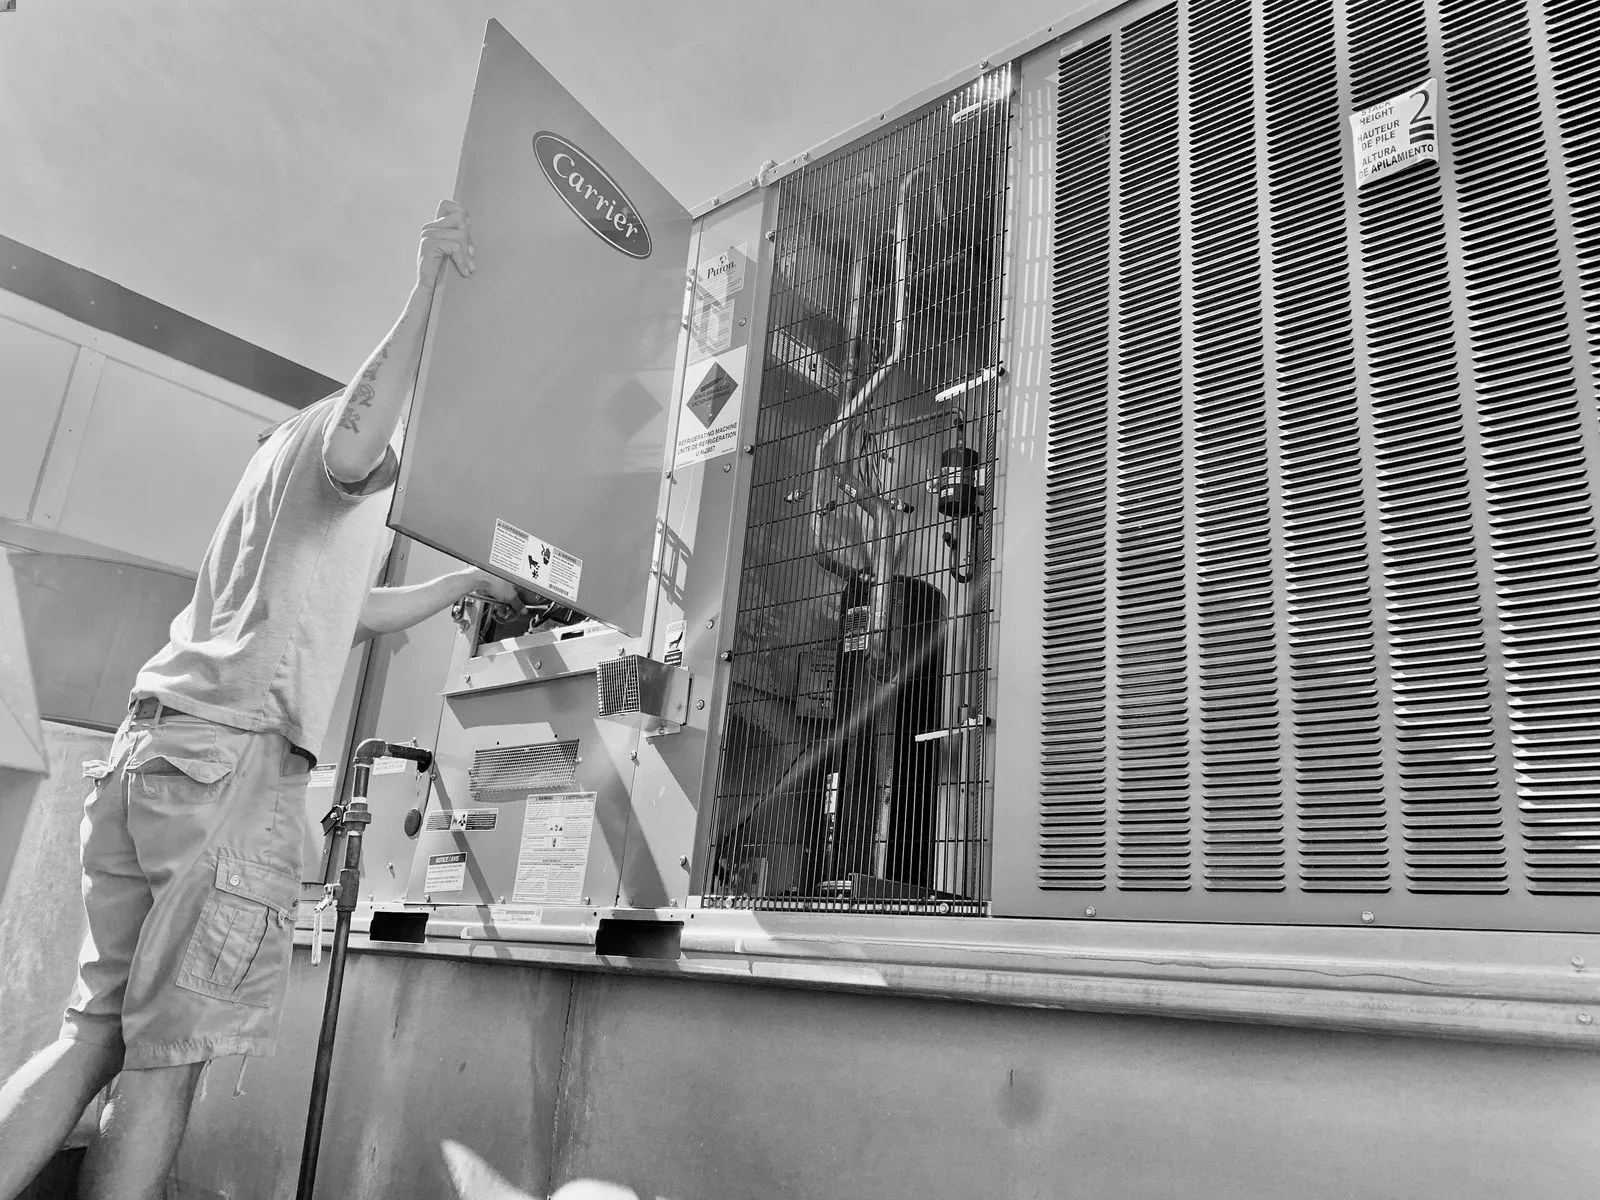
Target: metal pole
[312, 1145]
[351, 820]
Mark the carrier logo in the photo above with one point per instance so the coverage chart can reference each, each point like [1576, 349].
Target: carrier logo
[599, 201]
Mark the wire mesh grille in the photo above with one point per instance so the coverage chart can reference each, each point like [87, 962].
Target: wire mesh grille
[855, 769]
[518, 770]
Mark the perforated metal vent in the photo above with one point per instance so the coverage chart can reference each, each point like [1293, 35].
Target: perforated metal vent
[617, 689]
[537, 767]
[1322, 590]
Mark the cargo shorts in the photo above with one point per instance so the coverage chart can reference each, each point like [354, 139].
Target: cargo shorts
[191, 843]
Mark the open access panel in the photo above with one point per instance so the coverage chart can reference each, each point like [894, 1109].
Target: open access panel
[536, 437]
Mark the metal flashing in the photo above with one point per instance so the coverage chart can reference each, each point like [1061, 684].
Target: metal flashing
[114, 309]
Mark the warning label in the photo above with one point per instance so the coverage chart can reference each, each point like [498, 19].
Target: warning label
[1396, 134]
[536, 560]
[673, 655]
[709, 423]
[555, 849]
[446, 873]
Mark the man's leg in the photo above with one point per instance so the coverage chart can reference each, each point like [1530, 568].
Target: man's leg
[41, 1103]
[140, 1129]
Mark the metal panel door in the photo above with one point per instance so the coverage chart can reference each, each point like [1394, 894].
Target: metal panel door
[536, 439]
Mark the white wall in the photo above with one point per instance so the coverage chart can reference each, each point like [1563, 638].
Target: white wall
[110, 448]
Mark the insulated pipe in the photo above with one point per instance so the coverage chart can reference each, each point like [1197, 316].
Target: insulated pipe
[880, 512]
[351, 821]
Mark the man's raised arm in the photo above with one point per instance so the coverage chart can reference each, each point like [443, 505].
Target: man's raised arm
[371, 405]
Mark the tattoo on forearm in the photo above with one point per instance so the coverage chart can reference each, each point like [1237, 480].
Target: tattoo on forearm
[362, 395]
[377, 360]
[349, 420]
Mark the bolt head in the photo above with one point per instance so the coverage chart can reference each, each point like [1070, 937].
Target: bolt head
[726, 467]
[1577, 961]
[683, 861]
[1089, 912]
[1367, 918]
[699, 704]
[726, 656]
[538, 664]
[1585, 1019]
[772, 235]
[749, 447]
[711, 622]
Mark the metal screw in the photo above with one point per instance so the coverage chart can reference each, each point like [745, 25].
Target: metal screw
[1584, 1018]
[711, 622]
[1577, 961]
[538, 664]
[683, 861]
[749, 448]
[726, 467]
[743, 321]
[806, 157]
[586, 900]
[502, 900]
[984, 65]
[726, 656]
[633, 756]
[699, 703]
[1089, 912]
[772, 235]
[467, 679]
[1366, 918]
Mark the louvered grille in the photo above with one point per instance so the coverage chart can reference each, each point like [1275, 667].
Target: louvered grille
[1152, 668]
[1541, 498]
[1072, 851]
[1448, 774]
[1241, 786]
[1321, 599]
[515, 771]
[1333, 658]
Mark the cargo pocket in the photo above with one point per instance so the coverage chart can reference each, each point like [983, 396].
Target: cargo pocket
[244, 934]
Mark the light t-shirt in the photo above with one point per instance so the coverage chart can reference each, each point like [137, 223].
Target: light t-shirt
[264, 641]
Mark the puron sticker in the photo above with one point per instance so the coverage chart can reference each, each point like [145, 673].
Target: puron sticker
[541, 563]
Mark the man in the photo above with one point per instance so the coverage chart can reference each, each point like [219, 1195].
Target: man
[191, 838]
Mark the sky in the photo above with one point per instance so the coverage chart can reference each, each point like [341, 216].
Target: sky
[264, 165]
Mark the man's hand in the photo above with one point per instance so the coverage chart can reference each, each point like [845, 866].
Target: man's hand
[449, 235]
[492, 585]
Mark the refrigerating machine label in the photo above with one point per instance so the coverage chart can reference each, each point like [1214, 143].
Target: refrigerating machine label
[446, 873]
[555, 848]
[536, 560]
[323, 776]
[1399, 133]
[709, 423]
